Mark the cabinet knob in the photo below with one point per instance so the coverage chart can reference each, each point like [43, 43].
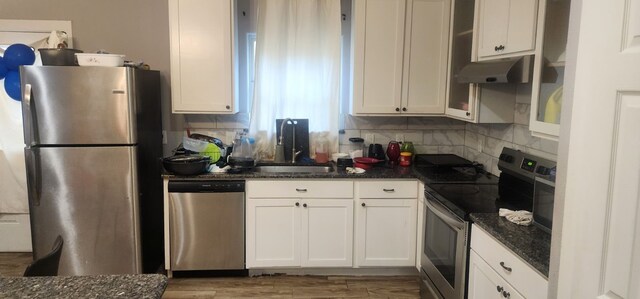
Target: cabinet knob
[404, 109]
[397, 109]
[468, 113]
[500, 289]
[363, 204]
[304, 205]
[297, 204]
[508, 269]
[228, 107]
[506, 294]
[495, 48]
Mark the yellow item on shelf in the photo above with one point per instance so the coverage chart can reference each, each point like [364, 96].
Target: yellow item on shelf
[553, 107]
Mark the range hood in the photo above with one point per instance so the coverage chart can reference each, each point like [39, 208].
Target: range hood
[509, 70]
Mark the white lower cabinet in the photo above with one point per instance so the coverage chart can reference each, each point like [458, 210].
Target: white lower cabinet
[310, 223]
[493, 268]
[484, 283]
[386, 214]
[302, 231]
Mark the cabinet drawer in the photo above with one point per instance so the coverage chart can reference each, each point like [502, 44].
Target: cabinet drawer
[300, 189]
[388, 189]
[522, 277]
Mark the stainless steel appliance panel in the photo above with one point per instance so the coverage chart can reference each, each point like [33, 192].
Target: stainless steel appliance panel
[207, 230]
[543, 200]
[89, 196]
[444, 251]
[78, 105]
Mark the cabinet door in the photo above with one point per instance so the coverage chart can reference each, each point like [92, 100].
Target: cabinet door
[426, 51]
[378, 33]
[506, 27]
[386, 232]
[327, 233]
[201, 39]
[273, 233]
[484, 283]
[493, 18]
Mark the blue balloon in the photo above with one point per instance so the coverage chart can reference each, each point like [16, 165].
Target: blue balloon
[3, 69]
[12, 85]
[17, 55]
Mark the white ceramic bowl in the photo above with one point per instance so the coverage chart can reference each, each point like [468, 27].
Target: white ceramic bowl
[92, 59]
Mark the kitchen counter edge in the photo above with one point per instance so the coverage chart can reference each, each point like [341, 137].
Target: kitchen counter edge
[530, 243]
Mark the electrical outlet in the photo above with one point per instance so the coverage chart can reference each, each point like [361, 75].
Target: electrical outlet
[480, 144]
[369, 139]
[400, 137]
[164, 137]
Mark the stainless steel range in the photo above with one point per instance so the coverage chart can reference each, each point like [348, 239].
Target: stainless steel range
[456, 187]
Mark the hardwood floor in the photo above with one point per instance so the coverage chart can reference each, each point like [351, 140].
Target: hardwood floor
[275, 286]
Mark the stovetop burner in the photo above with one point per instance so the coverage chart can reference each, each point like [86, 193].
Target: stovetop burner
[452, 169]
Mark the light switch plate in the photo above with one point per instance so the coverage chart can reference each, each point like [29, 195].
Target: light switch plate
[164, 137]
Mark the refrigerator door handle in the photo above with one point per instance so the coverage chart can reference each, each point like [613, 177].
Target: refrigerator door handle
[30, 120]
[34, 177]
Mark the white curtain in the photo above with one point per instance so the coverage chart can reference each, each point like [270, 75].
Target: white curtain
[297, 70]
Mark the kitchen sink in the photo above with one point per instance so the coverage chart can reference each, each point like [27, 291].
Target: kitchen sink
[294, 168]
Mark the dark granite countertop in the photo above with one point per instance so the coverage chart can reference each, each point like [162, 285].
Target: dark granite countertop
[99, 286]
[529, 242]
[377, 172]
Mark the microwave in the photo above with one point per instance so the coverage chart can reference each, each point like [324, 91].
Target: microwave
[543, 194]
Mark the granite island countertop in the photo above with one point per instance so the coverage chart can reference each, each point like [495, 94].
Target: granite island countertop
[98, 286]
[377, 172]
[531, 243]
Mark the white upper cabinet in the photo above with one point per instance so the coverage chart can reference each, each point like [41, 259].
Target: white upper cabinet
[399, 52]
[489, 103]
[505, 28]
[548, 73]
[202, 56]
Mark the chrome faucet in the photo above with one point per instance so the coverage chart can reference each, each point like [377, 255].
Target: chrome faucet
[294, 154]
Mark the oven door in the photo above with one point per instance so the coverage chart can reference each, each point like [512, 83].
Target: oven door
[444, 251]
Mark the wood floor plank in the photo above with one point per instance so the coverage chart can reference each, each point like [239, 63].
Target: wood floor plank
[266, 286]
[253, 293]
[14, 263]
[328, 292]
[393, 293]
[170, 294]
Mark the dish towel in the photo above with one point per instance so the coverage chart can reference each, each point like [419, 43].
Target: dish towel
[521, 217]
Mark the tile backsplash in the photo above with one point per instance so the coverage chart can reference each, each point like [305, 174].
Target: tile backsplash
[430, 135]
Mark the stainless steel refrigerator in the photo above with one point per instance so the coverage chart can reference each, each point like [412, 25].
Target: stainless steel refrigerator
[93, 142]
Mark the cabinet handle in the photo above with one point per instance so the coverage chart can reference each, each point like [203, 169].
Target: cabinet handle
[508, 269]
[404, 109]
[500, 289]
[297, 204]
[506, 294]
[468, 113]
[304, 205]
[389, 190]
[397, 109]
[363, 204]
[301, 189]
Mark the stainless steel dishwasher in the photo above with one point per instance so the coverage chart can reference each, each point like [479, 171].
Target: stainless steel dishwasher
[206, 220]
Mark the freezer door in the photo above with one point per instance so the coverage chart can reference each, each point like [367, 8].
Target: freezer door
[77, 105]
[88, 195]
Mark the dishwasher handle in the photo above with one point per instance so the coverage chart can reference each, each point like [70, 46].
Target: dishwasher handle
[205, 186]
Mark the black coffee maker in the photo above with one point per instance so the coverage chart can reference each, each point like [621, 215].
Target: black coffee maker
[376, 151]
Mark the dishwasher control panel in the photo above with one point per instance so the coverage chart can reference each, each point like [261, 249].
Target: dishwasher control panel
[194, 186]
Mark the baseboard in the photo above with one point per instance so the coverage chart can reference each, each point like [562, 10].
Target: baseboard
[337, 271]
[17, 228]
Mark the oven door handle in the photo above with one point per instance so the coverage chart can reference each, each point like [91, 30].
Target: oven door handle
[444, 214]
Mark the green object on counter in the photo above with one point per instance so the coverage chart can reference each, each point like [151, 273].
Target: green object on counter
[407, 146]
